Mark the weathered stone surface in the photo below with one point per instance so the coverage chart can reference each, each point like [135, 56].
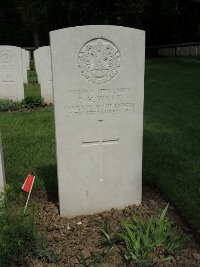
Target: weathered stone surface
[43, 68]
[98, 79]
[28, 60]
[43, 58]
[24, 66]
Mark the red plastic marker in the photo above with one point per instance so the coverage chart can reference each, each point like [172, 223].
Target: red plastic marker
[27, 186]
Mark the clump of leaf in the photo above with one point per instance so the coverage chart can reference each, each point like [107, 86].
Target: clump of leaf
[149, 242]
[88, 263]
[28, 102]
[109, 239]
[42, 252]
[8, 105]
[32, 102]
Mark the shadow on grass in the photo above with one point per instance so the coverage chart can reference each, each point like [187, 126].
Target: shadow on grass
[168, 167]
[50, 180]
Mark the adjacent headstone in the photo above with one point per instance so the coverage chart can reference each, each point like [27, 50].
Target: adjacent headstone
[45, 73]
[36, 63]
[1, 167]
[11, 77]
[24, 66]
[98, 79]
[28, 60]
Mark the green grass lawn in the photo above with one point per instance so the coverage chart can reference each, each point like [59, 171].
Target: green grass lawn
[28, 144]
[172, 133]
[171, 136]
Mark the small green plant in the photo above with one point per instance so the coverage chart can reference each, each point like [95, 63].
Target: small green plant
[42, 252]
[88, 263]
[164, 234]
[137, 241]
[32, 102]
[109, 239]
[29, 102]
[8, 104]
[149, 242]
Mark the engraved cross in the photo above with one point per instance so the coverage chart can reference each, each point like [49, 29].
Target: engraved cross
[100, 143]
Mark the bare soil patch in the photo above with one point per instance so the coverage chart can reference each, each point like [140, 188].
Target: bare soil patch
[69, 238]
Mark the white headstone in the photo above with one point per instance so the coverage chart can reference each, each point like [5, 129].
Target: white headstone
[24, 66]
[27, 60]
[35, 55]
[11, 76]
[1, 166]
[98, 79]
[45, 73]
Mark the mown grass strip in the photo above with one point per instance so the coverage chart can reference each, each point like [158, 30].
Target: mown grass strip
[171, 133]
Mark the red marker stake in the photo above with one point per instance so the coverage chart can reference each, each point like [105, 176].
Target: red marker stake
[27, 186]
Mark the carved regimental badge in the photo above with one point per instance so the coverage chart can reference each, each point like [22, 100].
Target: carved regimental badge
[99, 60]
[6, 56]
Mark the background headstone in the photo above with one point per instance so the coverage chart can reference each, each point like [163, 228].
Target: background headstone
[45, 73]
[11, 77]
[2, 181]
[98, 79]
[24, 66]
[28, 60]
[36, 61]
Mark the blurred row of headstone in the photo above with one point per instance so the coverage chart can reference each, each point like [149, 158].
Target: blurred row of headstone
[14, 63]
[193, 50]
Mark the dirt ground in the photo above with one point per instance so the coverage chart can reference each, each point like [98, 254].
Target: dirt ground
[69, 238]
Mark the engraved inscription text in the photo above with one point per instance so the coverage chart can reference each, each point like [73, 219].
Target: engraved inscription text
[107, 101]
